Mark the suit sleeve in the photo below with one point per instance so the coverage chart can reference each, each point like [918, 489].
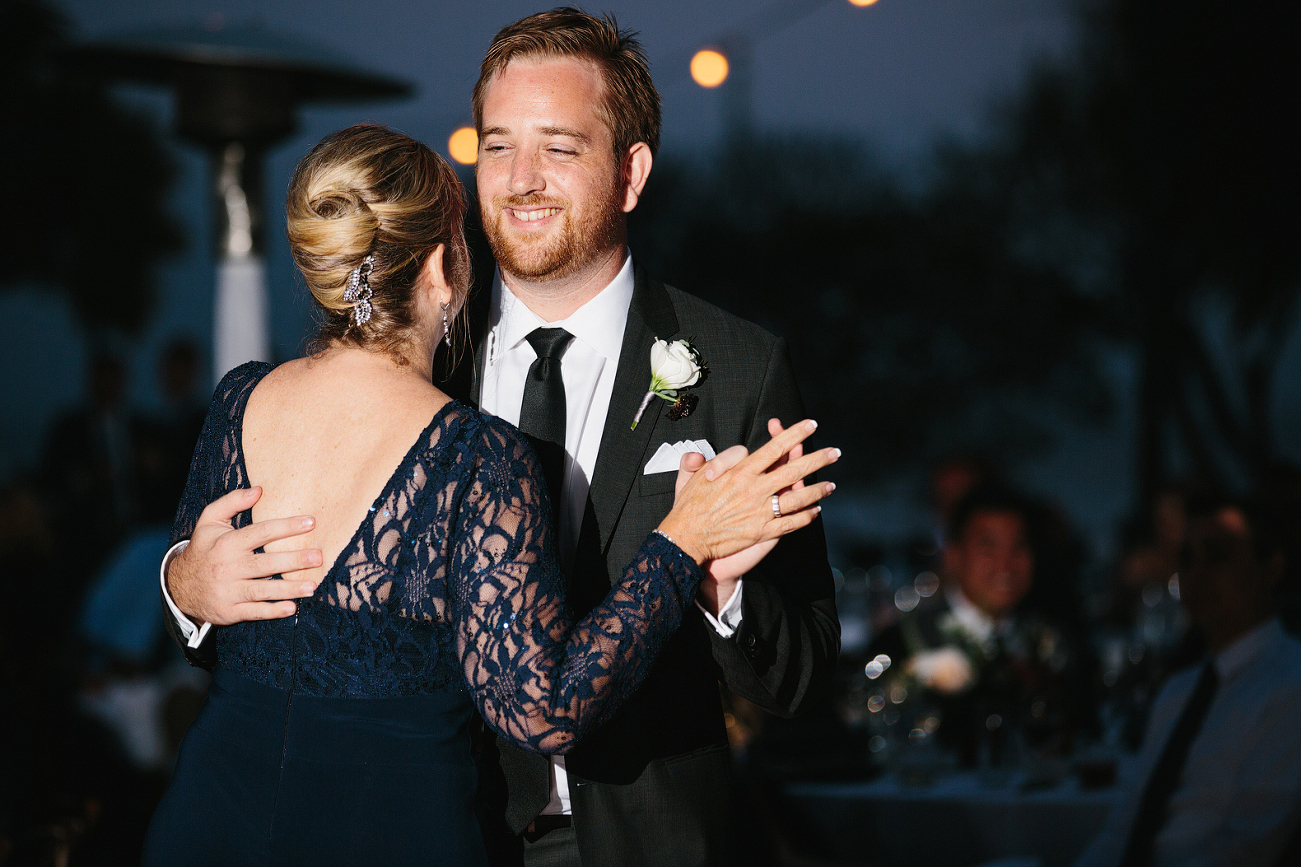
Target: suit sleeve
[784, 652]
[202, 486]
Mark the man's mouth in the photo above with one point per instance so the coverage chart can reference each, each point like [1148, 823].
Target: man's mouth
[530, 216]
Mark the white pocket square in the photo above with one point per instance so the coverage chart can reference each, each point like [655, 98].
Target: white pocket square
[669, 455]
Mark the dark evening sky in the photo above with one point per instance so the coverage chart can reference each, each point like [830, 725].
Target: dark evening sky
[897, 71]
[899, 74]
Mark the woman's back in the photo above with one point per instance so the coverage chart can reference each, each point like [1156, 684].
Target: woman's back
[379, 623]
[323, 436]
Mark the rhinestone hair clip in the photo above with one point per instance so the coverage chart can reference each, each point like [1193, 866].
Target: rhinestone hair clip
[358, 292]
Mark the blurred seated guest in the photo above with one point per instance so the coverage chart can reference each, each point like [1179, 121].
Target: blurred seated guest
[165, 439]
[980, 657]
[88, 468]
[1139, 599]
[1154, 556]
[1279, 497]
[1218, 779]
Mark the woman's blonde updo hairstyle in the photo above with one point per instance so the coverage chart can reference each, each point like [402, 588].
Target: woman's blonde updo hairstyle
[368, 190]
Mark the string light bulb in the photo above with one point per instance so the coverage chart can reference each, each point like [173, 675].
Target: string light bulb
[463, 145]
[709, 67]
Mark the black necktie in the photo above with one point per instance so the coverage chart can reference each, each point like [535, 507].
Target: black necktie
[542, 420]
[1152, 810]
[542, 414]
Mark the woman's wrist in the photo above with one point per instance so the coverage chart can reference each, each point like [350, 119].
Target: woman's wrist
[680, 534]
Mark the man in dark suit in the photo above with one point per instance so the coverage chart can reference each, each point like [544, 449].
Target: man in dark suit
[568, 121]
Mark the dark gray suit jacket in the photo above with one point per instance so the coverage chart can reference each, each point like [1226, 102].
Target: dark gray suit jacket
[651, 785]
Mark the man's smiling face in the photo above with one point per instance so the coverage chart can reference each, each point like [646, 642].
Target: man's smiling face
[550, 190]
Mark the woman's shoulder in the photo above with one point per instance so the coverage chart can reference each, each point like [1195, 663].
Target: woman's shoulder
[486, 434]
[491, 452]
[234, 388]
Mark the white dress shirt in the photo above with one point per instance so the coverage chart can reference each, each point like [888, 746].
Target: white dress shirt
[588, 367]
[973, 620]
[1238, 798]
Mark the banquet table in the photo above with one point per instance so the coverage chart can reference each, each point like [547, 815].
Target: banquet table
[959, 820]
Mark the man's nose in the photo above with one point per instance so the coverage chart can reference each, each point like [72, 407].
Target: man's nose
[526, 175]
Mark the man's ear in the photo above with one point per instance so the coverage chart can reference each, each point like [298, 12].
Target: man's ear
[635, 170]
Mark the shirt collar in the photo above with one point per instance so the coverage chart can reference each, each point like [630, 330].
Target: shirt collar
[971, 618]
[1243, 651]
[599, 323]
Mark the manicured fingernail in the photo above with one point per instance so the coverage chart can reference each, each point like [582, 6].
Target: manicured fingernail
[308, 522]
[813, 425]
[835, 454]
[831, 486]
[307, 589]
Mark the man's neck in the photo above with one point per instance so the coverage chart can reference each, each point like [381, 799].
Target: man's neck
[554, 300]
[1223, 634]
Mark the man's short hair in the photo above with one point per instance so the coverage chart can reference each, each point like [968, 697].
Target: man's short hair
[990, 497]
[630, 105]
[1272, 515]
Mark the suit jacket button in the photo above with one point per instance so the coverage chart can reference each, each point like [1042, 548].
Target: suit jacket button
[749, 642]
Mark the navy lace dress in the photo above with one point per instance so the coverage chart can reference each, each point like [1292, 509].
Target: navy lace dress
[341, 735]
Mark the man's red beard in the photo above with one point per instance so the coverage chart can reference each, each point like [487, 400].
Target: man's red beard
[580, 240]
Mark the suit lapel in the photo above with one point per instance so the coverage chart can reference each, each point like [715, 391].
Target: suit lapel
[481, 314]
[622, 453]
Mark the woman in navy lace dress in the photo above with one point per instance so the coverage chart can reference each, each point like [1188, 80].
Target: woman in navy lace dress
[341, 735]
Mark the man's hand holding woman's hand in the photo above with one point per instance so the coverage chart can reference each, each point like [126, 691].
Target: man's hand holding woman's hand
[725, 507]
[217, 578]
[726, 572]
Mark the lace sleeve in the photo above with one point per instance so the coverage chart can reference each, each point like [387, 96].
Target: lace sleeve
[215, 468]
[537, 679]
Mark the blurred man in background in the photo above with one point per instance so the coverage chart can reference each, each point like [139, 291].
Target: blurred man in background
[1218, 781]
[984, 660]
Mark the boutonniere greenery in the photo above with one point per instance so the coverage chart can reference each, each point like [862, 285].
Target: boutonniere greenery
[675, 367]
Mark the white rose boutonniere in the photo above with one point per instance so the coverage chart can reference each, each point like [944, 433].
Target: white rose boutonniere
[947, 669]
[675, 366]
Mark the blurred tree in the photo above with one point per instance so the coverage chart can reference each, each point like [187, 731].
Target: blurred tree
[86, 179]
[914, 326]
[1142, 190]
[1156, 167]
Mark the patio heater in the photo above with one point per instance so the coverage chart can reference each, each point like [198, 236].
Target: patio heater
[237, 93]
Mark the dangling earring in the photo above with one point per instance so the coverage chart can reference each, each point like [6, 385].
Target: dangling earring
[447, 327]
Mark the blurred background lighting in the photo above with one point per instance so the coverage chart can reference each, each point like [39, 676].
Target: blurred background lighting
[906, 598]
[862, 2]
[463, 145]
[709, 67]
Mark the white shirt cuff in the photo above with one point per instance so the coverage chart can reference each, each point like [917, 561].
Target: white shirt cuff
[194, 635]
[729, 617]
